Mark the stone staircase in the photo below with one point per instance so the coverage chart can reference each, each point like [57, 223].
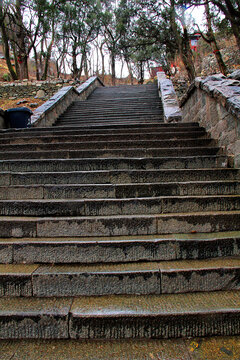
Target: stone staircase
[116, 225]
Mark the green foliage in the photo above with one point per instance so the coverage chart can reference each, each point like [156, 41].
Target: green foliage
[6, 77]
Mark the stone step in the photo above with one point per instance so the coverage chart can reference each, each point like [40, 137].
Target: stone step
[68, 130]
[122, 109]
[106, 153]
[210, 348]
[118, 176]
[119, 225]
[38, 144]
[123, 125]
[104, 128]
[100, 191]
[167, 277]
[112, 207]
[92, 250]
[92, 164]
[121, 316]
[148, 115]
[104, 137]
[114, 122]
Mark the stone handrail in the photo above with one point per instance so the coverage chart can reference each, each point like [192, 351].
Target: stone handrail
[46, 114]
[214, 102]
[172, 112]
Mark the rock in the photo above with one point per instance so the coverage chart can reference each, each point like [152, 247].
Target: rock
[33, 105]
[40, 94]
[22, 102]
[235, 75]
[12, 98]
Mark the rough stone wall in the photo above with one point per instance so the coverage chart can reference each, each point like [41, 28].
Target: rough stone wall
[22, 89]
[214, 102]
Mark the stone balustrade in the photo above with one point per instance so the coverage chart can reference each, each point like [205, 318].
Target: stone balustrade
[46, 114]
[214, 102]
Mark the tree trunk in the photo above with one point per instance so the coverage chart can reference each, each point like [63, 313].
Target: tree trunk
[113, 63]
[49, 51]
[36, 63]
[130, 71]
[74, 62]
[6, 49]
[236, 33]
[212, 40]
[85, 66]
[183, 44]
[141, 81]
[22, 54]
[187, 56]
[103, 61]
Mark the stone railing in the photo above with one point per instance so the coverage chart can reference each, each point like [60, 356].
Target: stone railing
[172, 112]
[214, 102]
[46, 114]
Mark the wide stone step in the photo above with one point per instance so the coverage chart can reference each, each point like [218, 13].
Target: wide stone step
[142, 145]
[119, 225]
[118, 125]
[104, 128]
[118, 176]
[107, 137]
[106, 153]
[167, 277]
[68, 130]
[100, 191]
[121, 110]
[104, 207]
[92, 250]
[122, 316]
[108, 349]
[92, 164]
[33, 145]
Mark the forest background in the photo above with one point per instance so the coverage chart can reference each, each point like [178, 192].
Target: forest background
[45, 39]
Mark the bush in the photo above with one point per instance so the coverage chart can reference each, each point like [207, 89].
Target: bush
[6, 77]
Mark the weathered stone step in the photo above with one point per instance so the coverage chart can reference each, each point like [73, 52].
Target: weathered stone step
[210, 348]
[32, 145]
[118, 176]
[119, 225]
[117, 114]
[122, 316]
[188, 162]
[103, 137]
[114, 115]
[121, 110]
[167, 277]
[80, 250]
[68, 130]
[25, 144]
[106, 153]
[196, 314]
[110, 123]
[123, 125]
[100, 191]
[112, 207]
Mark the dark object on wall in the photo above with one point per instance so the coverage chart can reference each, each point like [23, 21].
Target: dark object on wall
[18, 117]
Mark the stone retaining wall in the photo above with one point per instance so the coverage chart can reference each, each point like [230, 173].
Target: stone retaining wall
[214, 102]
[46, 114]
[27, 88]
